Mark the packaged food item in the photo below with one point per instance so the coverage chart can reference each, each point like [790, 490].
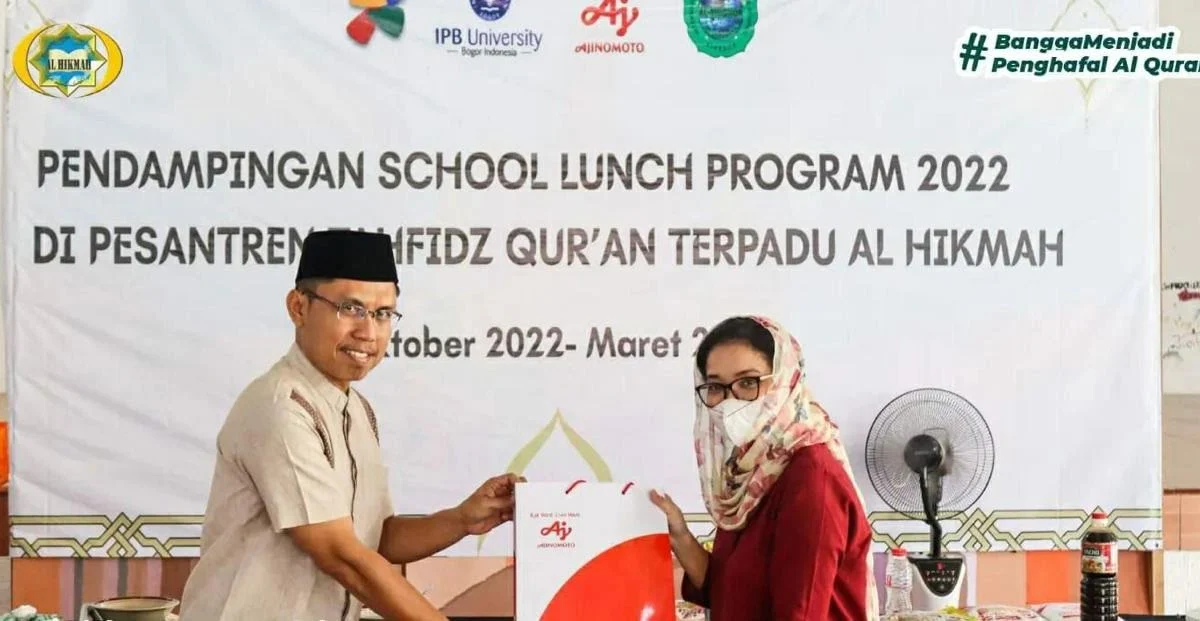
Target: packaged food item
[1059, 612]
[28, 613]
[1007, 613]
[947, 614]
[687, 611]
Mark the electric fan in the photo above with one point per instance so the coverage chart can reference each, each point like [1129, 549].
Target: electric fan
[930, 457]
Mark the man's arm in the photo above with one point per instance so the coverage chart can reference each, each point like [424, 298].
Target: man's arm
[405, 540]
[408, 539]
[306, 498]
[336, 551]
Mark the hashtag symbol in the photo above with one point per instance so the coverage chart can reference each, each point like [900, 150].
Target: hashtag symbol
[972, 51]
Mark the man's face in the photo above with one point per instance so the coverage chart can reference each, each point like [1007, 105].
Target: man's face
[344, 348]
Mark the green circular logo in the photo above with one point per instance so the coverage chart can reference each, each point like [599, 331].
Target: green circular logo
[720, 28]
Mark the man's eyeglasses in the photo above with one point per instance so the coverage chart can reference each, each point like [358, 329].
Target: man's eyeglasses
[745, 389]
[358, 312]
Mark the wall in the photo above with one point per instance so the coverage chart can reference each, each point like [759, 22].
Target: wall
[5, 561]
[1180, 159]
[3, 120]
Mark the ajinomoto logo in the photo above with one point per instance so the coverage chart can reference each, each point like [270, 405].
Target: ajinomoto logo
[67, 60]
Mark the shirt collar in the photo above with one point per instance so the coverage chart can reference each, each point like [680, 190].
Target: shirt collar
[321, 384]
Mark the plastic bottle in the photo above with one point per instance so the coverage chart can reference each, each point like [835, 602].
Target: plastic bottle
[898, 582]
[1098, 561]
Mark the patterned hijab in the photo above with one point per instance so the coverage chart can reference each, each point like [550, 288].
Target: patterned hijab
[733, 481]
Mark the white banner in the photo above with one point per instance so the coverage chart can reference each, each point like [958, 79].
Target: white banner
[576, 191]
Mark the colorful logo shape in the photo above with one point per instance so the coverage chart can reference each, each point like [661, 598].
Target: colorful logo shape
[720, 28]
[384, 15]
[67, 60]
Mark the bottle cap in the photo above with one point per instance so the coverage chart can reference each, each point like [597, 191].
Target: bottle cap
[1099, 515]
[899, 552]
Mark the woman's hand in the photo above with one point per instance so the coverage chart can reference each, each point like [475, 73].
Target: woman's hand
[676, 525]
[692, 556]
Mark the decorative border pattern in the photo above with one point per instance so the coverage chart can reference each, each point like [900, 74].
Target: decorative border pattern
[981, 531]
[977, 531]
[119, 537]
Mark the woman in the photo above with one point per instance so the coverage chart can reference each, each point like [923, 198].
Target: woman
[792, 540]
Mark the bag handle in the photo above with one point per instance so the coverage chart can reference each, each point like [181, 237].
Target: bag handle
[572, 486]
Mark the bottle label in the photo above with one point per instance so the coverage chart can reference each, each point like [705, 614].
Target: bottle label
[1099, 558]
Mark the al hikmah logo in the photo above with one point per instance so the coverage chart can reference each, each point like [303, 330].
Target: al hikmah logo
[67, 60]
[384, 15]
[720, 28]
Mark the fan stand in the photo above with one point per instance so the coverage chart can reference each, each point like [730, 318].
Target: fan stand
[937, 578]
[941, 439]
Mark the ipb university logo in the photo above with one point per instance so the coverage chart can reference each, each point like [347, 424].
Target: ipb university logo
[490, 10]
[67, 60]
[492, 40]
[720, 28]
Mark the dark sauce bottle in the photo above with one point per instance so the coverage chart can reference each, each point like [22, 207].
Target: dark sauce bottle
[1098, 589]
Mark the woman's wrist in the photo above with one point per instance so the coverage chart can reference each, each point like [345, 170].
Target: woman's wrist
[682, 540]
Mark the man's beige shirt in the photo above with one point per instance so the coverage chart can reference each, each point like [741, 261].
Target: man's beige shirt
[294, 450]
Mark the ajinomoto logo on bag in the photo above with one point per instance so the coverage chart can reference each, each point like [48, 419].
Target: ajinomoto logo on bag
[556, 533]
[67, 60]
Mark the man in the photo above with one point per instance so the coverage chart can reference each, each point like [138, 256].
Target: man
[299, 525]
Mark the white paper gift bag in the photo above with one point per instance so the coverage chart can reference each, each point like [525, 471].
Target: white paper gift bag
[591, 552]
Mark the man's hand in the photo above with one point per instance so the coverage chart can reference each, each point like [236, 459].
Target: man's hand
[490, 506]
[408, 539]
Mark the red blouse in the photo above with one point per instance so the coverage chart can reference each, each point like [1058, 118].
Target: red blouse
[802, 555]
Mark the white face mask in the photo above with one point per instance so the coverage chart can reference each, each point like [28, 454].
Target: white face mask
[737, 418]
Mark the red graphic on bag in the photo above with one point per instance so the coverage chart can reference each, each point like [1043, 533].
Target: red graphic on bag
[623, 582]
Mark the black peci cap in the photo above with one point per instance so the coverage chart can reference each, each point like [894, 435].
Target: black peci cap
[353, 255]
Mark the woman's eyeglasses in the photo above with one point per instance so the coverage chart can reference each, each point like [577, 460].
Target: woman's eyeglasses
[745, 389]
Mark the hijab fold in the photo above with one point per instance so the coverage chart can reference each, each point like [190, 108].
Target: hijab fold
[735, 479]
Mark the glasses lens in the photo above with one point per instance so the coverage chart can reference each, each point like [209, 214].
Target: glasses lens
[711, 394]
[352, 311]
[746, 388]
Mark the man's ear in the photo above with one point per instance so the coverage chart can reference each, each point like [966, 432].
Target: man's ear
[295, 307]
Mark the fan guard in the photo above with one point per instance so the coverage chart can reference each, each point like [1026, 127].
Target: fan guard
[964, 435]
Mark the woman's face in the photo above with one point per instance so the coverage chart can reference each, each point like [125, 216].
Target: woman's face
[739, 364]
